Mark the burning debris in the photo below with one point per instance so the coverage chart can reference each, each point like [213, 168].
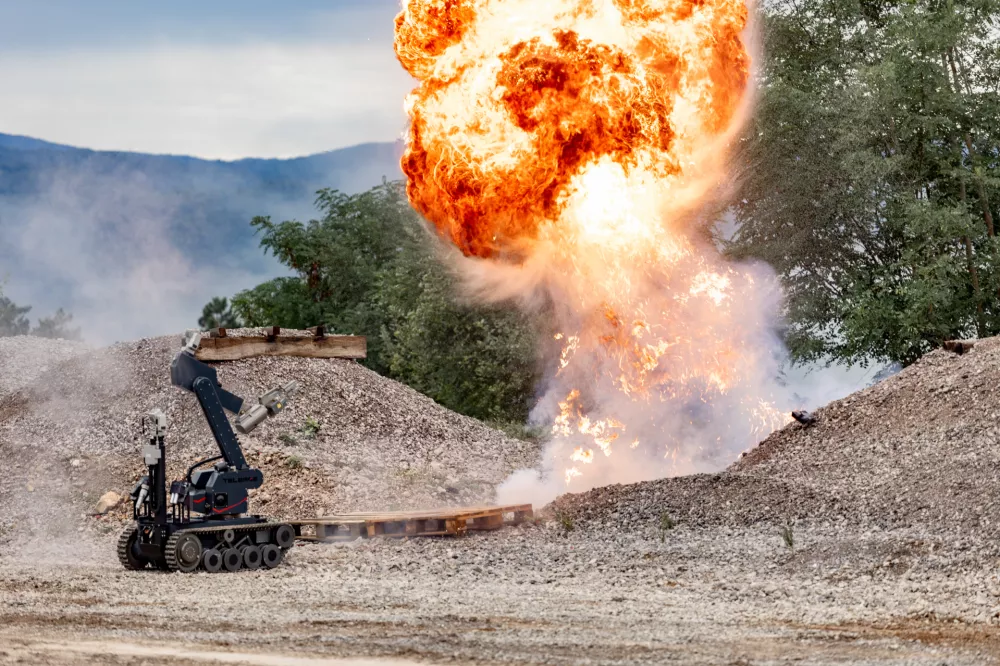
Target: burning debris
[568, 147]
[804, 417]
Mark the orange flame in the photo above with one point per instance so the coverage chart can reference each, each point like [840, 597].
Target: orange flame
[528, 107]
[579, 137]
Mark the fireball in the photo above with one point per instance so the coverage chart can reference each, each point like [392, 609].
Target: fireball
[542, 116]
[581, 138]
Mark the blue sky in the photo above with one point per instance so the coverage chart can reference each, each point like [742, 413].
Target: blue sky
[220, 79]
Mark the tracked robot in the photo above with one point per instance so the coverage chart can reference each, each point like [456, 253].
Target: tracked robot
[203, 522]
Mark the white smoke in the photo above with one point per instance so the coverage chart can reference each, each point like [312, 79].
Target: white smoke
[677, 426]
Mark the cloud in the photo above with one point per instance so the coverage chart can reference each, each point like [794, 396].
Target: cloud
[225, 102]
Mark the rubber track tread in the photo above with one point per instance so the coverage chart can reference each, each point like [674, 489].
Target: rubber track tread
[123, 549]
[170, 551]
[235, 528]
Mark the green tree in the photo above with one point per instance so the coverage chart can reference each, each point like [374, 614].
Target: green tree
[12, 317]
[13, 321]
[56, 326]
[368, 266]
[337, 258]
[476, 359]
[284, 301]
[870, 174]
[217, 314]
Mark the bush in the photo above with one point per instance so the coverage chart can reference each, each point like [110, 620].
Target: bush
[368, 266]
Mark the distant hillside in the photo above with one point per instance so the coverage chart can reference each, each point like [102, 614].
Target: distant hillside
[135, 243]
[27, 143]
[28, 166]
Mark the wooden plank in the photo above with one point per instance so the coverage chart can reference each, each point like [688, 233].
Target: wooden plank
[518, 512]
[399, 524]
[328, 532]
[234, 349]
[465, 512]
[491, 522]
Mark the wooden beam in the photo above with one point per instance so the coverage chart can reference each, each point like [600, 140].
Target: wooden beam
[234, 349]
[398, 524]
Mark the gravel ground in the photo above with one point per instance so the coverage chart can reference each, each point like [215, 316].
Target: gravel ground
[531, 595]
[867, 538]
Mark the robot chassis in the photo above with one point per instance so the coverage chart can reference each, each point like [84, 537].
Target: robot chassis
[202, 523]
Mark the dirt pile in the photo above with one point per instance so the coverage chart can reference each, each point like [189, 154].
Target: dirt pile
[350, 439]
[920, 449]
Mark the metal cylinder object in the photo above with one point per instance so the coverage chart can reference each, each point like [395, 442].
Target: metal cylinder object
[250, 419]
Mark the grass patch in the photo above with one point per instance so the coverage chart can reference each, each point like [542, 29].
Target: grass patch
[788, 536]
[565, 522]
[293, 462]
[288, 439]
[310, 428]
[666, 524]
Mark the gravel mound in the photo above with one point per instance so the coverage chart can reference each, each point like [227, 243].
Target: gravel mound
[920, 449]
[350, 439]
[24, 358]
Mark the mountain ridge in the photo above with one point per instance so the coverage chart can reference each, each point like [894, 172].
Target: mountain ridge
[113, 235]
[25, 142]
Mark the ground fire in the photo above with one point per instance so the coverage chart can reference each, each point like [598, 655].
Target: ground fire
[576, 142]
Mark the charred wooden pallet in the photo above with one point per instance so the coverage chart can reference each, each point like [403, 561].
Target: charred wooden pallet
[399, 524]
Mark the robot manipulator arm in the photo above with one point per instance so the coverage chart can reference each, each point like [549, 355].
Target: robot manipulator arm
[268, 405]
[140, 493]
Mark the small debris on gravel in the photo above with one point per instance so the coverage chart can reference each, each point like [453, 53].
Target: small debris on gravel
[804, 417]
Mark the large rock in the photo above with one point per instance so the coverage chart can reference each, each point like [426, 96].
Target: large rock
[108, 501]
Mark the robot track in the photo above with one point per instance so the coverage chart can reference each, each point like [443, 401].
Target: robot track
[215, 549]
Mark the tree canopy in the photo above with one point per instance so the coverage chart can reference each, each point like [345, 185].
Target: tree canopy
[368, 266]
[869, 177]
[12, 318]
[217, 314]
[14, 321]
